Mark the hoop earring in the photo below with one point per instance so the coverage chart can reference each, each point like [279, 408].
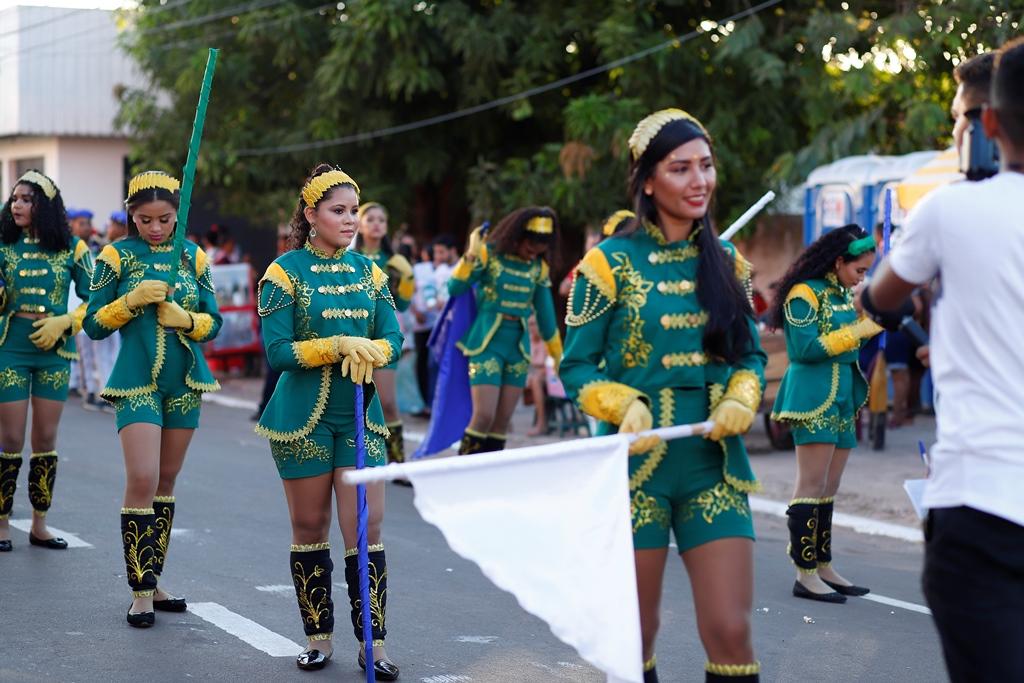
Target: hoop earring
[312, 230]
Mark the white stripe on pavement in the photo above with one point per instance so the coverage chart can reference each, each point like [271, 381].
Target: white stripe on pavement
[862, 525]
[73, 541]
[246, 630]
[276, 588]
[230, 401]
[893, 602]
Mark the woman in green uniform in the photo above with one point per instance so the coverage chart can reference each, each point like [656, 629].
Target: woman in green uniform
[373, 243]
[159, 376]
[820, 395]
[328, 322]
[39, 258]
[513, 282]
[660, 331]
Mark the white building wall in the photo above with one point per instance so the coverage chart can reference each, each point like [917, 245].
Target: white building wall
[13, 150]
[90, 174]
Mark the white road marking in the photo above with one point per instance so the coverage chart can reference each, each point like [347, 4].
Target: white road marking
[175, 533]
[862, 525]
[277, 588]
[446, 678]
[230, 401]
[893, 602]
[415, 436]
[480, 640]
[246, 630]
[73, 541]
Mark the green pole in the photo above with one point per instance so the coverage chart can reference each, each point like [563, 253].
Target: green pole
[189, 174]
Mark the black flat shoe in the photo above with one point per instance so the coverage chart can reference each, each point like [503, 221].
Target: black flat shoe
[51, 543]
[384, 669]
[5, 546]
[801, 591]
[171, 605]
[855, 591]
[141, 619]
[311, 660]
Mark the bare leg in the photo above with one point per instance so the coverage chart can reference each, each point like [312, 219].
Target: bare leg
[13, 420]
[900, 398]
[485, 405]
[173, 447]
[45, 420]
[309, 506]
[141, 445]
[835, 475]
[812, 467]
[650, 571]
[508, 399]
[384, 380]
[540, 420]
[722, 580]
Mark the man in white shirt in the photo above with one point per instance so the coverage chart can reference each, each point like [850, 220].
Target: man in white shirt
[973, 234]
[431, 294]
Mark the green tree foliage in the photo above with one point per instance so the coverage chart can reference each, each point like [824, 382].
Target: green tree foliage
[800, 84]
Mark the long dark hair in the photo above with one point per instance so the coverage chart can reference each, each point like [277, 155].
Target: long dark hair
[299, 225]
[49, 219]
[727, 332]
[817, 261]
[386, 247]
[505, 237]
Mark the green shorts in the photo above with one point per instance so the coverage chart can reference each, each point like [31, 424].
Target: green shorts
[26, 370]
[173, 405]
[837, 425]
[687, 492]
[501, 362]
[331, 444]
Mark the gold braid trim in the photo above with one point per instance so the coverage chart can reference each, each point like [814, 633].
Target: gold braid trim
[805, 501]
[825, 501]
[275, 273]
[385, 347]
[607, 400]
[43, 454]
[310, 547]
[318, 411]
[651, 663]
[733, 669]
[163, 499]
[745, 387]
[158, 364]
[794, 416]
[380, 429]
[137, 511]
[315, 353]
[350, 552]
[202, 323]
[115, 315]
[321, 636]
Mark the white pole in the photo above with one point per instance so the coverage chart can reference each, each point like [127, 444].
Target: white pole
[747, 215]
[402, 470]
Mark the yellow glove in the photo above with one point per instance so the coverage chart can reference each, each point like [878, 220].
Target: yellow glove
[476, 244]
[638, 418]
[865, 328]
[731, 418]
[360, 349]
[171, 315]
[361, 371]
[146, 292]
[49, 331]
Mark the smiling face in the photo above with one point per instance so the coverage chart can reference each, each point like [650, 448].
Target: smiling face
[335, 219]
[682, 183]
[851, 273]
[155, 220]
[21, 205]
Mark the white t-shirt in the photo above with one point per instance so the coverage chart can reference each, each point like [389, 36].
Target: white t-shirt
[426, 295]
[972, 233]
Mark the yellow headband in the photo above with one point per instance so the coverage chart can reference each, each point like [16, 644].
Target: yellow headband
[316, 188]
[649, 127]
[542, 225]
[152, 180]
[37, 178]
[615, 220]
[369, 206]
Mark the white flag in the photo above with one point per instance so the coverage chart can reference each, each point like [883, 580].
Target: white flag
[551, 525]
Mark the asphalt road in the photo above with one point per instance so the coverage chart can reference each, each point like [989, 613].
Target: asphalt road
[62, 613]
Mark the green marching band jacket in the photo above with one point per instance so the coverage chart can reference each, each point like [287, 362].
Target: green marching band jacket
[119, 268]
[306, 297]
[509, 287]
[641, 330]
[816, 313]
[402, 287]
[37, 282]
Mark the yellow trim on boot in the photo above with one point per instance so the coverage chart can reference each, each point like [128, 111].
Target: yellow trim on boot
[321, 636]
[733, 669]
[148, 593]
[163, 499]
[375, 643]
[9, 455]
[43, 453]
[310, 547]
[830, 499]
[805, 501]
[651, 663]
[137, 511]
[349, 552]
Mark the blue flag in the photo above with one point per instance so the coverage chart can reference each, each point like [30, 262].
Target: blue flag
[453, 404]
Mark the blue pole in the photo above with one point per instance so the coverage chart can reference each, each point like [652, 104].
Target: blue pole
[362, 544]
[886, 233]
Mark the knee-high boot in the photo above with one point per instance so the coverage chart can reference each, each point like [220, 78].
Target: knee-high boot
[651, 670]
[495, 442]
[472, 442]
[823, 546]
[311, 570]
[732, 673]
[42, 475]
[395, 442]
[10, 465]
[384, 669]
[138, 536]
[803, 536]
[163, 509]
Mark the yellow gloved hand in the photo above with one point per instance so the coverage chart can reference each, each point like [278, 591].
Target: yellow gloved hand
[146, 292]
[865, 328]
[476, 244]
[400, 265]
[361, 371]
[171, 315]
[49, 331]
[360, 349]
[731, 418]
[637, 419]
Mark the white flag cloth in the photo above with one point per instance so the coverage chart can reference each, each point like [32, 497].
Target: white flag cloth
[551, 525]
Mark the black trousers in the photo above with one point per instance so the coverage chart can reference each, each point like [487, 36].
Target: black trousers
[974, 582]
[424, 376]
